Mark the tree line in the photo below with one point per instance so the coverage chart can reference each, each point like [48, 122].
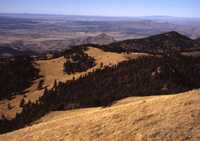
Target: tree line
[16, 74]
[77, 60]
[144, 76]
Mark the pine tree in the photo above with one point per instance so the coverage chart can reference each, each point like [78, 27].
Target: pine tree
[22, 103]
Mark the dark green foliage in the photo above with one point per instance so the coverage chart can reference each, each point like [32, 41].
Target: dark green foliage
[170, 73]
[16, 74]
[142, 77]
[55, 84]
[22, 103]
[77, 60]
[40, 85]
[31, 112]
[9, 106]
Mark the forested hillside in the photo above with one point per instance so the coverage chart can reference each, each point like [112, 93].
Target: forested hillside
[16, 74]
[142, 77]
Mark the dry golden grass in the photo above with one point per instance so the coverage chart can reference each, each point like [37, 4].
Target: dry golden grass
[52, 70]
[157, 118]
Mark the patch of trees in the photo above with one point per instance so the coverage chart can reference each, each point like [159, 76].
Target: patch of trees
[77, 60]
[142, 77]
[16, 74]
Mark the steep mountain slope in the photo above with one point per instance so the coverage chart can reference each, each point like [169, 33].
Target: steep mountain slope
[165, 118]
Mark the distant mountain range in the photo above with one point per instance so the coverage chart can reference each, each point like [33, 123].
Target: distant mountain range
[101, 39]
[188, 21]
[22, 48]
[39, 33]
[127, 27]
[154, 44]
[9, 50]
[95, 18]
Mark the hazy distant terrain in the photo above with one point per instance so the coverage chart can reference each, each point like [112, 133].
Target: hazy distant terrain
[41, 33]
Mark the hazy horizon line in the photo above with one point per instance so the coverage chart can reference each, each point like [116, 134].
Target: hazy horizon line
[87, 15]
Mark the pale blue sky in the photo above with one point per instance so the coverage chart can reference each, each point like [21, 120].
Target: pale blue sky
[181, 8]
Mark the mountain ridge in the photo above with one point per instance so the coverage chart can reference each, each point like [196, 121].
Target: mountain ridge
[159, 43]
[156, 43]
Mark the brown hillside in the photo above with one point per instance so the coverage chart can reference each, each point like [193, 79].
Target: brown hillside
[165, 118]
[52, 70]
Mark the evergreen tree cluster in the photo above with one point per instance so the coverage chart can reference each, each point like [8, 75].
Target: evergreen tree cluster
[16, 74]
[77, 60]
[142, 77]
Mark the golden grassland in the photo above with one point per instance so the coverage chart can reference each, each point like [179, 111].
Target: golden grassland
[152, 118]
[166, 118]
[52, 70]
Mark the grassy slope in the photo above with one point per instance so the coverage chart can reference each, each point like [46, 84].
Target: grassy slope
[52, 70]
[135, 118]
[143, 118]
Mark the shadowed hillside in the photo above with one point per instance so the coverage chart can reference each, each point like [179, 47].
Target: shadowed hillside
[49, 74]
[87, 79]
[16, 74]
[77, 60]
[142, 77]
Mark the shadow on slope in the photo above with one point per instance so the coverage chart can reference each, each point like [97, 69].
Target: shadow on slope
[153, 75]
[77, 60]
[16, 74]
